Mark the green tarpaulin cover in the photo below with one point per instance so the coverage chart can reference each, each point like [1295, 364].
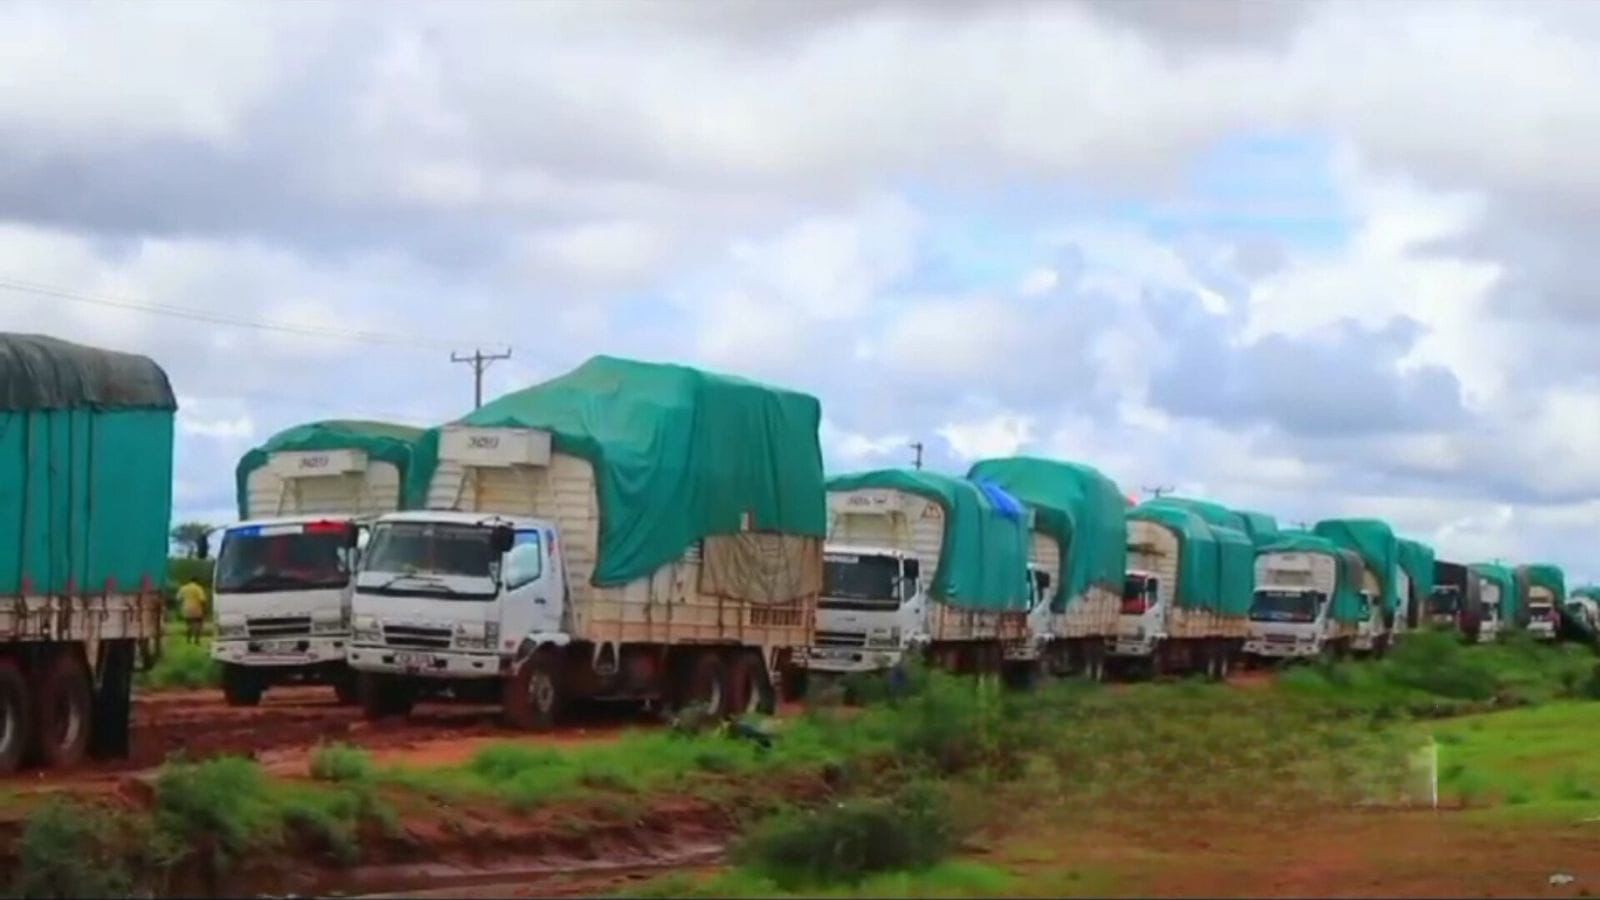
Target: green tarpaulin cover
[1345, 606]
[1417, 561]
[1379, 550]
[1081, 508]
[1236, 571]
[379, 440]
[1547, 576]
[1198, 559]
[85, 469]
[1505, 577]
[983, 558]
[1214, 514]
[1262, 528]
[1591, 591]
[679, 455]
[38, 372]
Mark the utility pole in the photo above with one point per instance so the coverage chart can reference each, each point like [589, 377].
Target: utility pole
[480, 361]
[917, 446]
[1158, 491]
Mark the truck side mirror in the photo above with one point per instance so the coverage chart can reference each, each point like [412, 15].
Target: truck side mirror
[504, 539]
[352, 536]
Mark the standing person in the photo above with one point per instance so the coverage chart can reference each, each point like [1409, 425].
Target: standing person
[192, 600]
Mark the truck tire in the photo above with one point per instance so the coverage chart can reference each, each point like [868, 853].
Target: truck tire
[796, 683]
[63, 709]
[240, 686]
[704, 682]
[749, 687]
[111, 735]
[383, 696]
[532, 696]
[16, 717]
[344, 687]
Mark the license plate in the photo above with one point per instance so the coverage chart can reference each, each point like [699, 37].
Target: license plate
[280, 646]
[414, 660]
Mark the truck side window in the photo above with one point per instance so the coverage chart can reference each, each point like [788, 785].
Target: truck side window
[525, 561]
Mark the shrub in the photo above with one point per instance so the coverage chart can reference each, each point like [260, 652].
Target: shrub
[70, 850]
[845, 843]
[341, 762]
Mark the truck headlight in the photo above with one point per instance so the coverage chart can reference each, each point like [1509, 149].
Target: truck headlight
[365, 629]
[232, 629]
[327, 622]
[477, 635]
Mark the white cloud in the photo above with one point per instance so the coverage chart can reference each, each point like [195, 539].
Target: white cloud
[1002, 434]
[1039, 281]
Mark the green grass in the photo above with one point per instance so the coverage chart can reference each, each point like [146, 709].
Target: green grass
[182, 665]
[945, 879]
[1540, 759]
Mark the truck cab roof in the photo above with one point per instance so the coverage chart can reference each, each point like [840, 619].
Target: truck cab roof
[279, 521]
[451, 517]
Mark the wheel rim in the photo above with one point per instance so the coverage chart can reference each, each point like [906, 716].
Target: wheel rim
[713, 696]
[542, 692]
[752, 693]
[8, 728]
[67, 723]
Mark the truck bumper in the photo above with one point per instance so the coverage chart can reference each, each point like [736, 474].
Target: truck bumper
[1132, 647]
[1542, 631]
[848, 660]
[440, 664]
[282, 653]
[1280, 649]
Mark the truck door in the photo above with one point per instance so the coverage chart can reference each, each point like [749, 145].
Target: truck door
[531, 603]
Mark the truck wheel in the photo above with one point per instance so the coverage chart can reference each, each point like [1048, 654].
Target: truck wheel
[749, 688]
[344, 687]
[705, 685]
[240, 686]
[796, 683]
[383, 696]
[16, 717]
[532, 695]
[62, 713]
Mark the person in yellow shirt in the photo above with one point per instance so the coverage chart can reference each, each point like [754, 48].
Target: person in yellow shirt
[192, 601]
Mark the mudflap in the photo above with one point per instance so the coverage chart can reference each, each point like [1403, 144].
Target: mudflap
[110, 732]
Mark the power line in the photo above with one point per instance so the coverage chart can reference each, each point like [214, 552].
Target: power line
[215, 318]
[480, 362]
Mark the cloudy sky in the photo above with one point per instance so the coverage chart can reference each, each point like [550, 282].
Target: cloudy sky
[1313, 258]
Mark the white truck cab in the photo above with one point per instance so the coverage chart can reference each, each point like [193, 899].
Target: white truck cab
[1542, 619]
[1445, 606]
[1288, 622]
[871, 612]
[1372, 628]
[1141, 627]
[450, 596]
[281, 599]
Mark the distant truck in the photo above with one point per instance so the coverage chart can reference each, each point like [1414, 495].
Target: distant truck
[1544, 590]
[283, 576]
[627, 531]
[1463, 600]
[1308, 601]
[1186, 603]
[1502, 601]
[1078, 551]
[1384, 583]
[922, 562]
[86, 440]
[1417, 565]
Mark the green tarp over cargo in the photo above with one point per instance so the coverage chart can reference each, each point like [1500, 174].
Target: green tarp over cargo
[1236, 572]
[1198, 578]
[1083, 510]
[1417, 561]
[1214, 514]
[85, 469]
[1345, 605]
[1377, 546]
[1544, 575]
[983, 557]
[1262, 528]
[379, 440]
[1510, 592]
[679, 455]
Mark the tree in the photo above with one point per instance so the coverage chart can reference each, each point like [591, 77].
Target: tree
[194, 538]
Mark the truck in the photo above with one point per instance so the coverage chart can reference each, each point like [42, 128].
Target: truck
[1462, 600]
[86, 441]
[1078, 545]
[1384, 582]
[1502, 600]
[1308, 602]
[1544, 590]
[923, 562]
[1580, 620]
[1416, 562]
[283, 575]
[627, 531]
[1188, 592]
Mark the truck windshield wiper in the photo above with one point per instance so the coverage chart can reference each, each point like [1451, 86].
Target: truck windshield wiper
[432, 584]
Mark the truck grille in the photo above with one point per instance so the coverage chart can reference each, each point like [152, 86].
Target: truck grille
[841, 639]
[1280, 638]
[422, 638]
[287, 626]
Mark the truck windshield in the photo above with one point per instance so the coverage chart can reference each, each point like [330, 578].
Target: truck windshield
[860, 582]
[258, 560]
[1285, 606]
[1446, 600]
[425, 557]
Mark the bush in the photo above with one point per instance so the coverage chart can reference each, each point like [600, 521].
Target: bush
[70, 850]
[845, 843]
[342, 763]
[183, 666]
